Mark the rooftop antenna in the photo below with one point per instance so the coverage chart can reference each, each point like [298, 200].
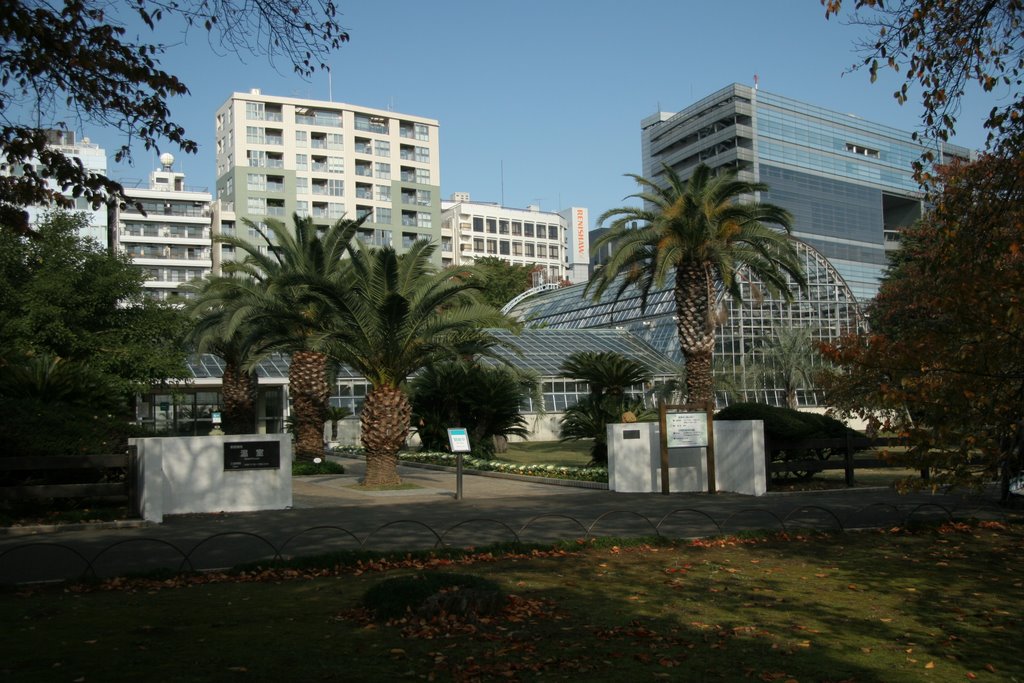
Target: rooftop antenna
[503, 182]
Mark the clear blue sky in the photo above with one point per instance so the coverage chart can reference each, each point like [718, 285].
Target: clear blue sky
[551, 91]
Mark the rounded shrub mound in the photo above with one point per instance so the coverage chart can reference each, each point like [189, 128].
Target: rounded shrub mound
[429, 594]
[786, 423]
[303, 467]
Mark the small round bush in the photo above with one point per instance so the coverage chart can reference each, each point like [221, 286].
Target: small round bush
[429, 593]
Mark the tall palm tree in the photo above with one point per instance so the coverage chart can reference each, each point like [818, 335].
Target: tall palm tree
[218, 330]
[392, 315]
[700, 231]
[273, 288]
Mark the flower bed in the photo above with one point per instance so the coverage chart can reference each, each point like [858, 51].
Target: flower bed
[598, 474]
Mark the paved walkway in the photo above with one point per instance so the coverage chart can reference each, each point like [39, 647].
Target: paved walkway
[329, 515]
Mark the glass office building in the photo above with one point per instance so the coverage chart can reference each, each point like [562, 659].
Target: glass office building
[848, 182]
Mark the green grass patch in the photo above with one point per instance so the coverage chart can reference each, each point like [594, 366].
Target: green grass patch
[934, 605]
[569, 453]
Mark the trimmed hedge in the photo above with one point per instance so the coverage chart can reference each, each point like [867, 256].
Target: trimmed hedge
[786, 423]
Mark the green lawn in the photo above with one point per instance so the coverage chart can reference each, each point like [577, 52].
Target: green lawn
[935, 605]
[567, 454]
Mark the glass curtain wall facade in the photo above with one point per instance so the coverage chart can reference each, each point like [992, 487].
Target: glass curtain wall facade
[848, 182]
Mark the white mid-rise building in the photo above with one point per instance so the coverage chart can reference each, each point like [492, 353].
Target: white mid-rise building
[279, 156]
[169, 238]
[554, 242]
[94, 160]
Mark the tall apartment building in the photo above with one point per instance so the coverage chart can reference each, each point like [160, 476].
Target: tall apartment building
[279, 156]
[848, 182]
[170, 238]
[554, 242]
[94, 160]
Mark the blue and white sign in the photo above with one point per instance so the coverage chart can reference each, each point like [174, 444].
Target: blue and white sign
[458, 439]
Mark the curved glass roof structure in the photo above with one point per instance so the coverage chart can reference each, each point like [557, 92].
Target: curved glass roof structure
[826, 307]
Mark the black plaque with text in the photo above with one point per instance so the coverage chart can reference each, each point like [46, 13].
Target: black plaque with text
[252, 455]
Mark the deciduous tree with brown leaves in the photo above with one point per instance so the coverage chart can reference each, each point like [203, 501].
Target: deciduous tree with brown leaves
[944, 362]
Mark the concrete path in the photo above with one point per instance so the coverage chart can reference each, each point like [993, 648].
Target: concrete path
[329, 515]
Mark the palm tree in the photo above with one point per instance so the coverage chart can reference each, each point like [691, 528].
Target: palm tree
[609, 375]
[392, 315]
[220, 331]
[788, 358]
[701, 232]
[273, 294]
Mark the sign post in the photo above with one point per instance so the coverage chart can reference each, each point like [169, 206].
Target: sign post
[458, 440]
[687, 426]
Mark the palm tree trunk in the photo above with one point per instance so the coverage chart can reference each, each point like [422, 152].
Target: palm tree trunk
[307, 383]
[694, 296]
[238, 400]
[385, 426]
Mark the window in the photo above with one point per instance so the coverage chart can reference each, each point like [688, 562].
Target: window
[335, 141]
[383, 215]
[257, 182]
[364, 146]
[423, 155]
[257, 158]
[301, 185]
[336, 188]
[862, 150]
[529, 250]
[492, 246]
[301, 162]
[383, 171]
[517, 228]
[422, 132]
[302, 207]
[553, 251]
[301, 138]
[335, 165]
[254, 135]
[383, 193]
[503, 247]
[335, 210]
[478, 244]
[478, 224]
[424, 219]
[502, 227]
[528, 230]
[552, 232]
[257, 205]
[254, 111]
[517, 248]
[542, 251]
[371, 124]
[382, 148]
[492, 226]
[422, 176]
[423, 197]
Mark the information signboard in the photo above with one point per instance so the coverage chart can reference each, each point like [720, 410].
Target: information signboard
[687, 430]
[252, 455]
[458, 439]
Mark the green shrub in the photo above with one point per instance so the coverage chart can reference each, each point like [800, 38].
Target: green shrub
[302, 467]
[786, 423]
[428, 593]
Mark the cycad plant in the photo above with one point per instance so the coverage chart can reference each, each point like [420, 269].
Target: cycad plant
[609, 376]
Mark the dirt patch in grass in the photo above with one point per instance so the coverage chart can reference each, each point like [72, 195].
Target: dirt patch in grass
[931, 605]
